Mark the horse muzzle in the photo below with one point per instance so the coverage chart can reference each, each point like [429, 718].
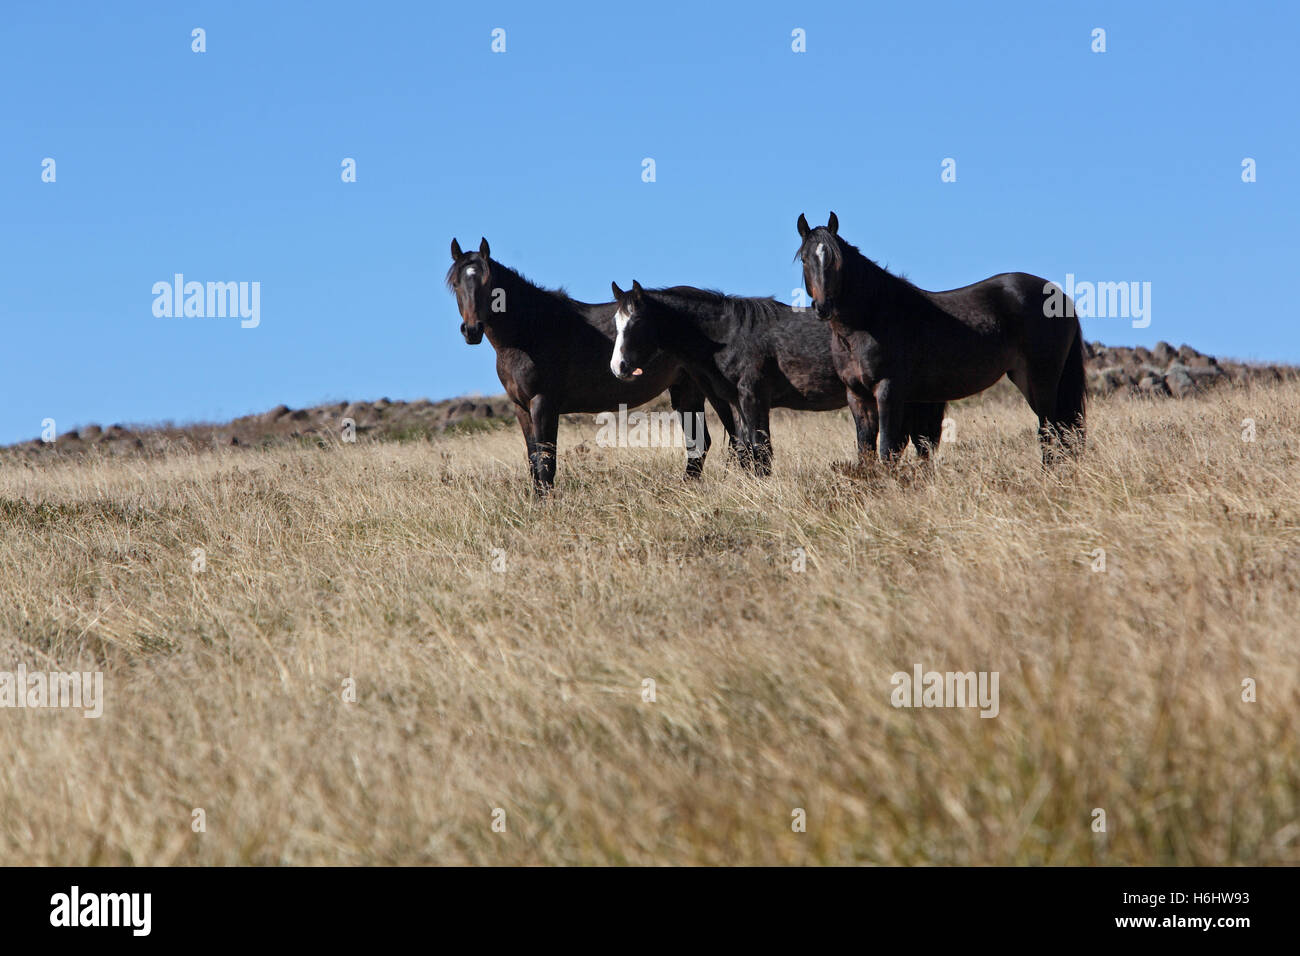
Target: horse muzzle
[627, 372]
[825, 309]
[473, 335]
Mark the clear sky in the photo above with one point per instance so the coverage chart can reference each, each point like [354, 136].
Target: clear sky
[226, 166]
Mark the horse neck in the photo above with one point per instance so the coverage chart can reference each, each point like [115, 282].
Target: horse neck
[868, 290]
[528, 307]
[691, 325]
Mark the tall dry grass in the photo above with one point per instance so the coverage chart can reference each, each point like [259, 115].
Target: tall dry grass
[522, 690]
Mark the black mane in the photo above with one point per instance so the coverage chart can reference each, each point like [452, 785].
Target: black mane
[514, 281]
[872, 280]
[747, 308]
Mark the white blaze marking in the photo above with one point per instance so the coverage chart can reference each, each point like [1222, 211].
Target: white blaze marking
[620, 323]
[469, 271]
[821, 253]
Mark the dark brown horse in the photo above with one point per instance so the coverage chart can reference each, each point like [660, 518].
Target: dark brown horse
[553, 358]
[894, 343]
[755, 353]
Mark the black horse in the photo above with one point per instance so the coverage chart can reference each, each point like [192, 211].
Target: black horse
[755, 353]
[553, 358]
[894, 343]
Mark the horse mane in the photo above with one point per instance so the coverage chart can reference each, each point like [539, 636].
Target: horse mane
[515, 280]
[747, 308]
[861, 271]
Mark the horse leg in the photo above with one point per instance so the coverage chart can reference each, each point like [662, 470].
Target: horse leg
[865, 421]
[695, 435]
[1048, 439]
[525, 419]
[546, 427]
[745, 451]
[763, 445]
[925, 426]
[893, 434]
[1022, 380]
[1069, 392]
[1040, 393]
[754, 410]
[688, 403]
[723, 410]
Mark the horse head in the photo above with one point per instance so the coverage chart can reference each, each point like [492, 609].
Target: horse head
[823, 263]
[470, 277]
[634, 341]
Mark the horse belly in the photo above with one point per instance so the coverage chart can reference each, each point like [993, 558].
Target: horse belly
[934, 381]
[815, 388]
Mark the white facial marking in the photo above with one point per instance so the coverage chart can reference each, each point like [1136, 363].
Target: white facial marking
[470, 271]
[821, 253]
[620, 323]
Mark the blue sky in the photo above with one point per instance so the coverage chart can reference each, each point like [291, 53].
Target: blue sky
[225, 166]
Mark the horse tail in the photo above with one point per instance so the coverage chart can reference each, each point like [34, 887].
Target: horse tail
[1071, 395]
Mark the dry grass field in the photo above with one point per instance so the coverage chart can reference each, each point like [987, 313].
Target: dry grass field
[522, 690]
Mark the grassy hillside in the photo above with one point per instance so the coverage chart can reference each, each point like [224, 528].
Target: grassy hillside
[1120, 689]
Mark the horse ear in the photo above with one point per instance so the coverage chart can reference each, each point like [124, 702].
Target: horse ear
[802, 226]
[483, 249]
[618, 293]
[636, 289]
[833, 224]
[455, 250]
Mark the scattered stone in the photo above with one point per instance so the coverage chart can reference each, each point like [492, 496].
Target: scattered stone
[1153, 385]
[1179, 381]
[1113, 378]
